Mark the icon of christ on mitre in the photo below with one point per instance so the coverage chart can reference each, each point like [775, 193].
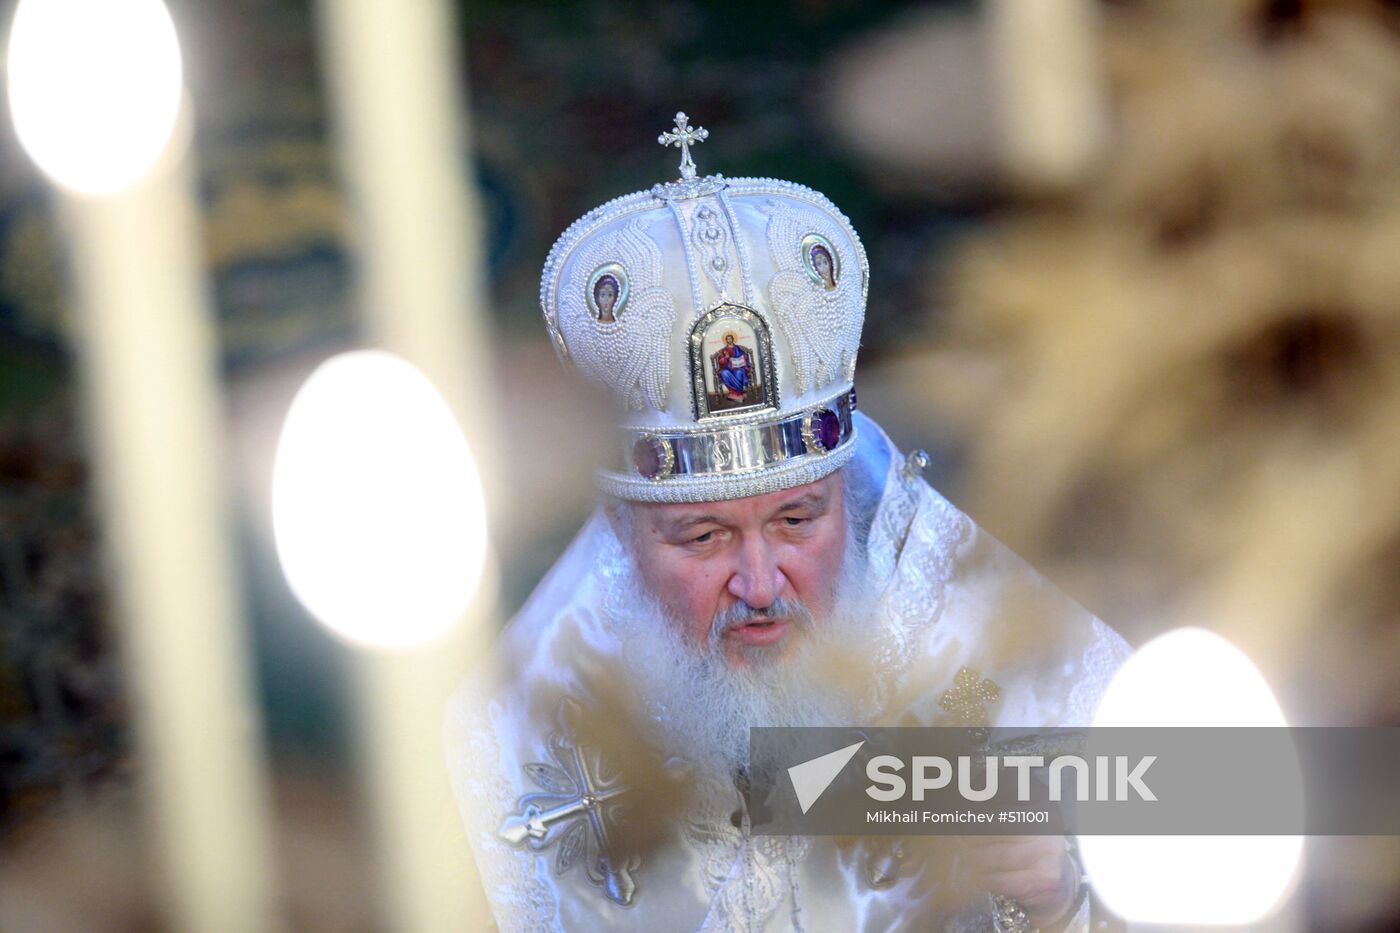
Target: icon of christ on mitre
[762, 554]
[733, 368]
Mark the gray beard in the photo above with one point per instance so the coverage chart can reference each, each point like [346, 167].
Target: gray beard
[699, 707]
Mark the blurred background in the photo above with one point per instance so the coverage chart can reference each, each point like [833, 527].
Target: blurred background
[1135, 286]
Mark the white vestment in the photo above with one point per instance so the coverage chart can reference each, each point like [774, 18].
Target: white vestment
[949, 596]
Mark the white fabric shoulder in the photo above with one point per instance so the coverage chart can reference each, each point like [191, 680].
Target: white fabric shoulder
[520, 900]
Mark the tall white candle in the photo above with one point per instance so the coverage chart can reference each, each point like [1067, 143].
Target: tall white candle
[1048, 73]
[95, 88]
[422, 292]
[148, 367]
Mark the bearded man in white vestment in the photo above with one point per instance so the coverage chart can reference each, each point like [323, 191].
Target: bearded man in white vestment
[769, 561]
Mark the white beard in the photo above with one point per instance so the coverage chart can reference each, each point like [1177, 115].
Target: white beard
[699, 707]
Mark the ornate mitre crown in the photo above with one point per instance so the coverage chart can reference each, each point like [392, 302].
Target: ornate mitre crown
[724, 316]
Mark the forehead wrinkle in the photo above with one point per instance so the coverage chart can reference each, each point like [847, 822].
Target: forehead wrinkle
[661, 520]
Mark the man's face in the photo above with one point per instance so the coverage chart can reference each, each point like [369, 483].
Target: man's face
[706, 558]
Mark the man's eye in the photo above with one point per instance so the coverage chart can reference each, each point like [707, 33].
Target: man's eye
[702, 538]
[793, 522]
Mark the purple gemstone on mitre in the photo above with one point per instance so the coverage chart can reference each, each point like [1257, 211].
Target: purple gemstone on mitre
[826, 426]
[647, 457]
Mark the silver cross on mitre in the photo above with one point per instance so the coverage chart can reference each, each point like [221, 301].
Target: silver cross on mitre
[574, 808]
[684, 137]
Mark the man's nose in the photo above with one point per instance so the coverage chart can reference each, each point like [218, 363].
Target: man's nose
[757, 580]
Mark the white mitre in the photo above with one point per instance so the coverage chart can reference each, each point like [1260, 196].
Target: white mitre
[640, 295]
[650, 294]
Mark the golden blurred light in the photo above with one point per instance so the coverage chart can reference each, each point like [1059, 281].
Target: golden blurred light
[377, 508]
[1191, 677]
[95, 88]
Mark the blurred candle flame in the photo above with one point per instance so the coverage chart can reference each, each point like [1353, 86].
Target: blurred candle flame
[95, 89]
[1191, 677]
[376, 505]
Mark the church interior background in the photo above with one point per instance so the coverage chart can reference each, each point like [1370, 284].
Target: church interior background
[1165, 369]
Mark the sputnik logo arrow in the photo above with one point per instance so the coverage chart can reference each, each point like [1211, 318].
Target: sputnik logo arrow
[811, 778]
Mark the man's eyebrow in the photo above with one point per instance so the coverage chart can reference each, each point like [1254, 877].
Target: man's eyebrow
[809, 500]
[681, 524]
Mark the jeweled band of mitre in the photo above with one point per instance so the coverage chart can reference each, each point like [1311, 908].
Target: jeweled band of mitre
[724, 317]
